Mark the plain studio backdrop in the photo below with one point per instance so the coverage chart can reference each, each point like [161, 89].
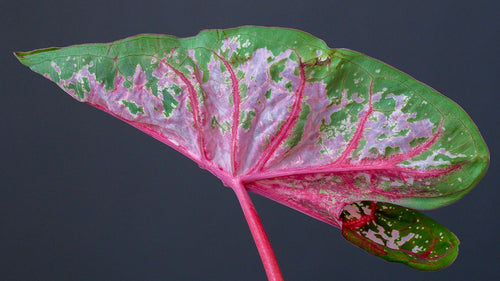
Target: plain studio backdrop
[83, 196]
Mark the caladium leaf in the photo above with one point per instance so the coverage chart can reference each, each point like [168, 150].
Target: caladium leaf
[278, 112]
[400, 234]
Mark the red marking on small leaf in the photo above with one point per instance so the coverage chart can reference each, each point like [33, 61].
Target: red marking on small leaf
[372, 248]
[363, 220]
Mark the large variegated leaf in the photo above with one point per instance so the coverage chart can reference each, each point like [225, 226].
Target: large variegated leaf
[276, 110]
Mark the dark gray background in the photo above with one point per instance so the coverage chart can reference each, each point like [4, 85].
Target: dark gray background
[86, 197]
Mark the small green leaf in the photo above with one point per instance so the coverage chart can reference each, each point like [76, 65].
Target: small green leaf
[399, 234]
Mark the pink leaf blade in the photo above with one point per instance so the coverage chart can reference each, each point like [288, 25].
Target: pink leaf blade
[339, 109]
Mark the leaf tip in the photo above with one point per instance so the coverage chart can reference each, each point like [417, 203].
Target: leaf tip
[23, 56]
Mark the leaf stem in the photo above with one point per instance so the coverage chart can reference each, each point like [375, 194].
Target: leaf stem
[266, 252]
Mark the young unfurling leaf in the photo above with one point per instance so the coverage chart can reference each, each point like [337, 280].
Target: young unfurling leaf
[399, 234]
